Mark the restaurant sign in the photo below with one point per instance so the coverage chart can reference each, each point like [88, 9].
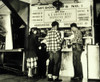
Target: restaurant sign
[42, 16]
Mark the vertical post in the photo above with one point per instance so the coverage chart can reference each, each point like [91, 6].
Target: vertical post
[92, 19]
[7, 25]
[26, 38]
[23, 62]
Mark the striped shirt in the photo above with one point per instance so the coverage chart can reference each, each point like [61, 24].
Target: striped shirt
[53, 40]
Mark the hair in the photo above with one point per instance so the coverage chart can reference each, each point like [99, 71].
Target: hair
[43, 45]
[31, 32]
[55, 23]
[35, 28]
[73, 24]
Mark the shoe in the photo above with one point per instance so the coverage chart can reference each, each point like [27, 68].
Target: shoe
[29, 77]
[50, 79]
[80, 78]
[43, 77]
[76, 78]
[35, 76]
[57, 80]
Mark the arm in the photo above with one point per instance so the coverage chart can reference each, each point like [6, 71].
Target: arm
[85, 29]
[45, 39]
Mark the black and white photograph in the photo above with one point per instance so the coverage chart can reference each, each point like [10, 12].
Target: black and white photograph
[49, 40]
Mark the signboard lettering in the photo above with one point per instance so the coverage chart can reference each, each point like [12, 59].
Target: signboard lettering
[42, 16]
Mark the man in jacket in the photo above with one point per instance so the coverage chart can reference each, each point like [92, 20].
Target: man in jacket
[53, 42]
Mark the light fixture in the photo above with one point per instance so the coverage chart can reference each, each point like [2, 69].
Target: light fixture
[58, 4]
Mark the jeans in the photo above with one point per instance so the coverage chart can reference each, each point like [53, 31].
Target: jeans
[54, 63]
[77, 51]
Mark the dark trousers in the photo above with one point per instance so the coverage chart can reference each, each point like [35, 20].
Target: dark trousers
[41, 67]
[54, 63]
[77, 51]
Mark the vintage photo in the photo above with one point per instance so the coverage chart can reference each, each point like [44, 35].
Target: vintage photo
[49, 40]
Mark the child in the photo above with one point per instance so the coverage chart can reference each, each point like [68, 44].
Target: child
[42, 57]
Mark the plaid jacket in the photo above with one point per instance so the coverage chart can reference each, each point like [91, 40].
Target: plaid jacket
[53, 40]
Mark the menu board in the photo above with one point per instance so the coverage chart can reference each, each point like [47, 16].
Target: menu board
[42, 16]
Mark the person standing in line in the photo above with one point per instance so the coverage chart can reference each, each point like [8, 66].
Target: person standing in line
[77, 48]
[32, 53]
[42, 58]
[53, 42]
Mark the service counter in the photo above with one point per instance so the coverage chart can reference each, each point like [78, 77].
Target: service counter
[15, 60]
[67, 63]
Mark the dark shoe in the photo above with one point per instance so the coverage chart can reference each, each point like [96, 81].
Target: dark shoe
[76, 78]
[80, 78]
[35, 76]
[43, 77]
[29, 77]
[50, 79]
[57, 80]
[72, 78]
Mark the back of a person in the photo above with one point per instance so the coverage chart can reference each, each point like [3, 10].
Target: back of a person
[53, 40]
